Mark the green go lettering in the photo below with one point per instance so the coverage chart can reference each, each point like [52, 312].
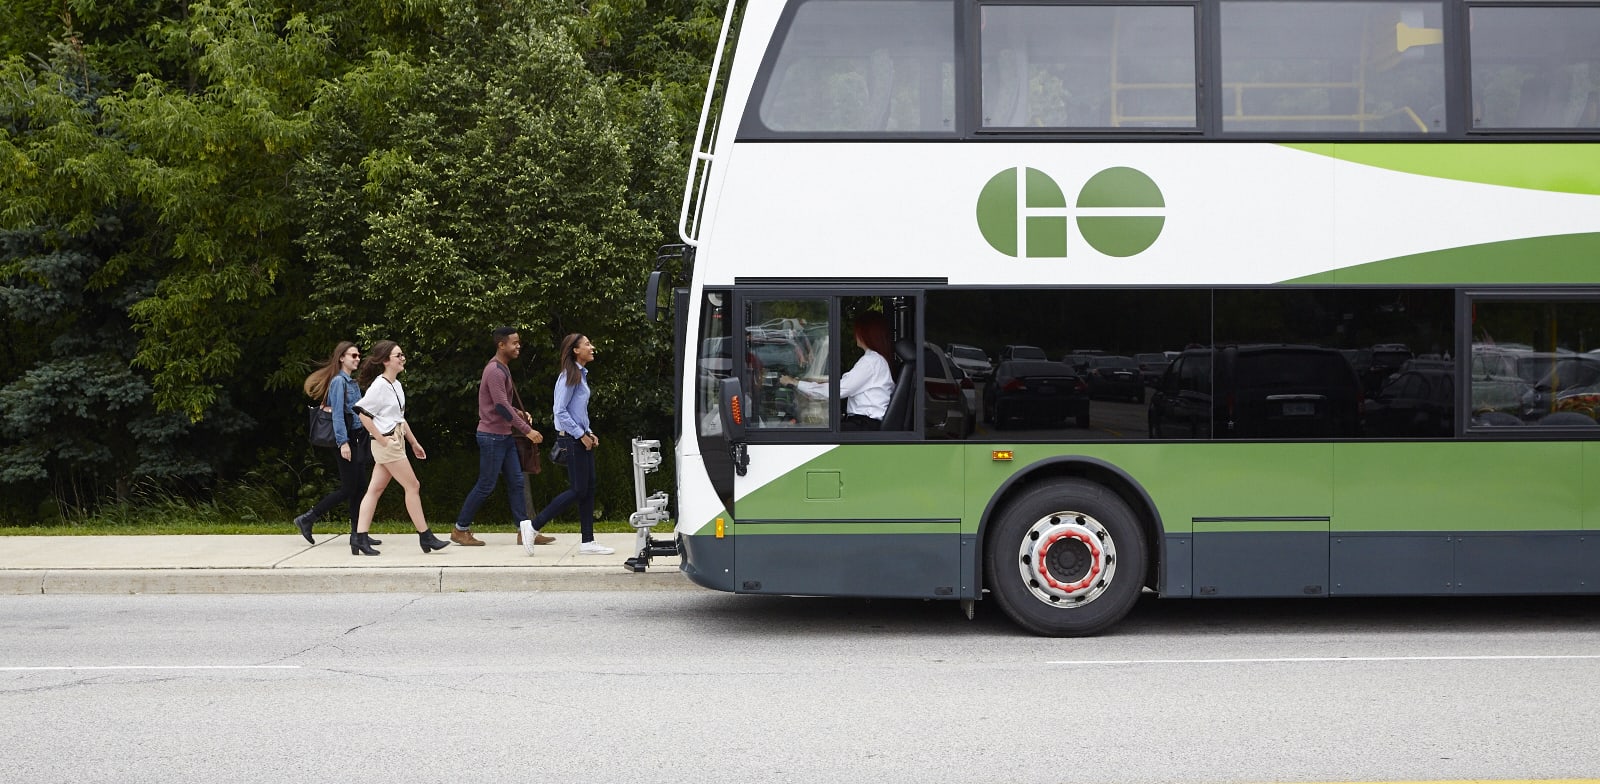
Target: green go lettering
[1032, 220]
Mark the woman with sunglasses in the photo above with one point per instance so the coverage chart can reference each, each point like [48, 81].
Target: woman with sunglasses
[383, 413]
[334, 384]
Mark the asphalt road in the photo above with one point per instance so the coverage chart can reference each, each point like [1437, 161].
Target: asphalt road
[706, 687]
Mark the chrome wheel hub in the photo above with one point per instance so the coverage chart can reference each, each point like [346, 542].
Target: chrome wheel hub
[1067, 559]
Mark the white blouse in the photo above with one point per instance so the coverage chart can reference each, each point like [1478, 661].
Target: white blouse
[385, 402]
[866, 387]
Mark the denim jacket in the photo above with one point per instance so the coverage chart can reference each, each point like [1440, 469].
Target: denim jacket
[342, 396]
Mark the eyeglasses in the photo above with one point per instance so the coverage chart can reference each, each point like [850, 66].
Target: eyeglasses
[354, 355]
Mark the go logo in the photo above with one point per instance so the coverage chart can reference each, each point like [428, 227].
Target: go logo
[1118, 213]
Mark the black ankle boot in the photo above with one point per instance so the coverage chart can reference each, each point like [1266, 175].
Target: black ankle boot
[361, 544]
[430, 542]
[370, 540]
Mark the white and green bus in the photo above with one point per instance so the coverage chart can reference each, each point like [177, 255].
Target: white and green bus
[1354, 244]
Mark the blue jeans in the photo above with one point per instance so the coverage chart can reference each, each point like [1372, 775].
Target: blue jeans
[580, 490]
[497, 455]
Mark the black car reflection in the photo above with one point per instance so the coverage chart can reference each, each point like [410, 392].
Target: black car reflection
[1115, 377]
[1257, 391]
[1417, 403]
[1023, 392]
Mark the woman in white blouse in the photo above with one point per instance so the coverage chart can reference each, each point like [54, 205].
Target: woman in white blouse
[383, 414]
[868, 385]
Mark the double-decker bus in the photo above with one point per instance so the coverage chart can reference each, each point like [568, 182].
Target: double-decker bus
[1355, 244]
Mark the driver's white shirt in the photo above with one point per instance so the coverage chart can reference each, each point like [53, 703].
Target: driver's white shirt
[866, 387]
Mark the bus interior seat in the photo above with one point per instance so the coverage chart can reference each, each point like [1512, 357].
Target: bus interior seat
[1539, 103]
[898, 415]
[880, 91]
[1010, 92]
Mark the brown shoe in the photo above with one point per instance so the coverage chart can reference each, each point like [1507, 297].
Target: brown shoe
[543, 539]
[465, 538]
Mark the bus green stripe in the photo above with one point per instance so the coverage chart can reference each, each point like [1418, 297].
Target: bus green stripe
[1564, 258]
[1561, 168]
[1368, 486]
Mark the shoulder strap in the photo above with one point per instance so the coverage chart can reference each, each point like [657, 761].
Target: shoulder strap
[514, 392]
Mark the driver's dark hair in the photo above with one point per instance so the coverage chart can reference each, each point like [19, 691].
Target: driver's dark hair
[873, 329]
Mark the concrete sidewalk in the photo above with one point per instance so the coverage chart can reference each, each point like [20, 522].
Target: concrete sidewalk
[286, 564]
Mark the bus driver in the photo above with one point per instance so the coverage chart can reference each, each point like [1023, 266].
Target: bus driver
[866, 387]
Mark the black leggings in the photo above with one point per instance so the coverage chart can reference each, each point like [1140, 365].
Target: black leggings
[352, 485]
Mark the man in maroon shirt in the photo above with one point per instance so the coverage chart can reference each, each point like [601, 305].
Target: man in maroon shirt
[498, 422]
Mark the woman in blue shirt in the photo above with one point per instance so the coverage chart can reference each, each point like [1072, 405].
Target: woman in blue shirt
[333, 383]
[573, 434]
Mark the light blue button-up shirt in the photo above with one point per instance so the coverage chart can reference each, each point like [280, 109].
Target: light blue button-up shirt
[572, 404]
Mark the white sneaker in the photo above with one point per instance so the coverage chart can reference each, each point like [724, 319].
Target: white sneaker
[528, 534]
[594, 548]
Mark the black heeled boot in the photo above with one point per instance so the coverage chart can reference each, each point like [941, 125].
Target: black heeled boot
[430, 542]
[370, 540]
[361, 544]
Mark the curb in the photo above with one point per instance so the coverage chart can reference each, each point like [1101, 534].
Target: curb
[337, 580]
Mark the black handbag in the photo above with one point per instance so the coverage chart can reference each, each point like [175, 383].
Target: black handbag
[319, 427]
[558, 453]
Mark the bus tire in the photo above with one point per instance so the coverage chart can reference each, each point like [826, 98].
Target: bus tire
[1066, 558]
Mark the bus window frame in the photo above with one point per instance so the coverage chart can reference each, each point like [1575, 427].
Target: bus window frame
[1467, 299]
[968, 96]
[1462, 13]
[753, 128]
[832, 434]
[974, 85]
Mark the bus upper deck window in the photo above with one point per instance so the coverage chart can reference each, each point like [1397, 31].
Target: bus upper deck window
[1535, 67]
[864, 66]
[1097, 67]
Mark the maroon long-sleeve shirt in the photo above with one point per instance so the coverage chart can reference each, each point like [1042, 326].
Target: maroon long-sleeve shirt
[496, 412]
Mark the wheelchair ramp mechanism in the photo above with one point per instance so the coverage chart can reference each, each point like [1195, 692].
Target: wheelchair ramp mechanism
[649, 510]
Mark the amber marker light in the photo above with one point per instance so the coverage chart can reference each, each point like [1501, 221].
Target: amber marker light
[720, 529]
[1002, 454]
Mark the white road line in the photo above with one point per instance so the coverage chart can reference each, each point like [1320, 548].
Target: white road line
[1305, 659]
[158, 667]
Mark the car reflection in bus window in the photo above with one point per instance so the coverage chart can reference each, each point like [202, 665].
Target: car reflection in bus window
[1295, 363]
[786, 338]
[1536, 363]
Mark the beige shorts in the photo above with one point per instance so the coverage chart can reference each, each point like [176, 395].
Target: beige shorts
[394, 451]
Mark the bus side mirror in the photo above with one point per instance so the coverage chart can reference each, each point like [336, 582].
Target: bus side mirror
[652, 288]
[733, 414]
[733, 411]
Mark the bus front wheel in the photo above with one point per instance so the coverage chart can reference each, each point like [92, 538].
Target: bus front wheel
[1066, 558]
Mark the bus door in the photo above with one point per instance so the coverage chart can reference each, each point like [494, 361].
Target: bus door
[840, 496]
